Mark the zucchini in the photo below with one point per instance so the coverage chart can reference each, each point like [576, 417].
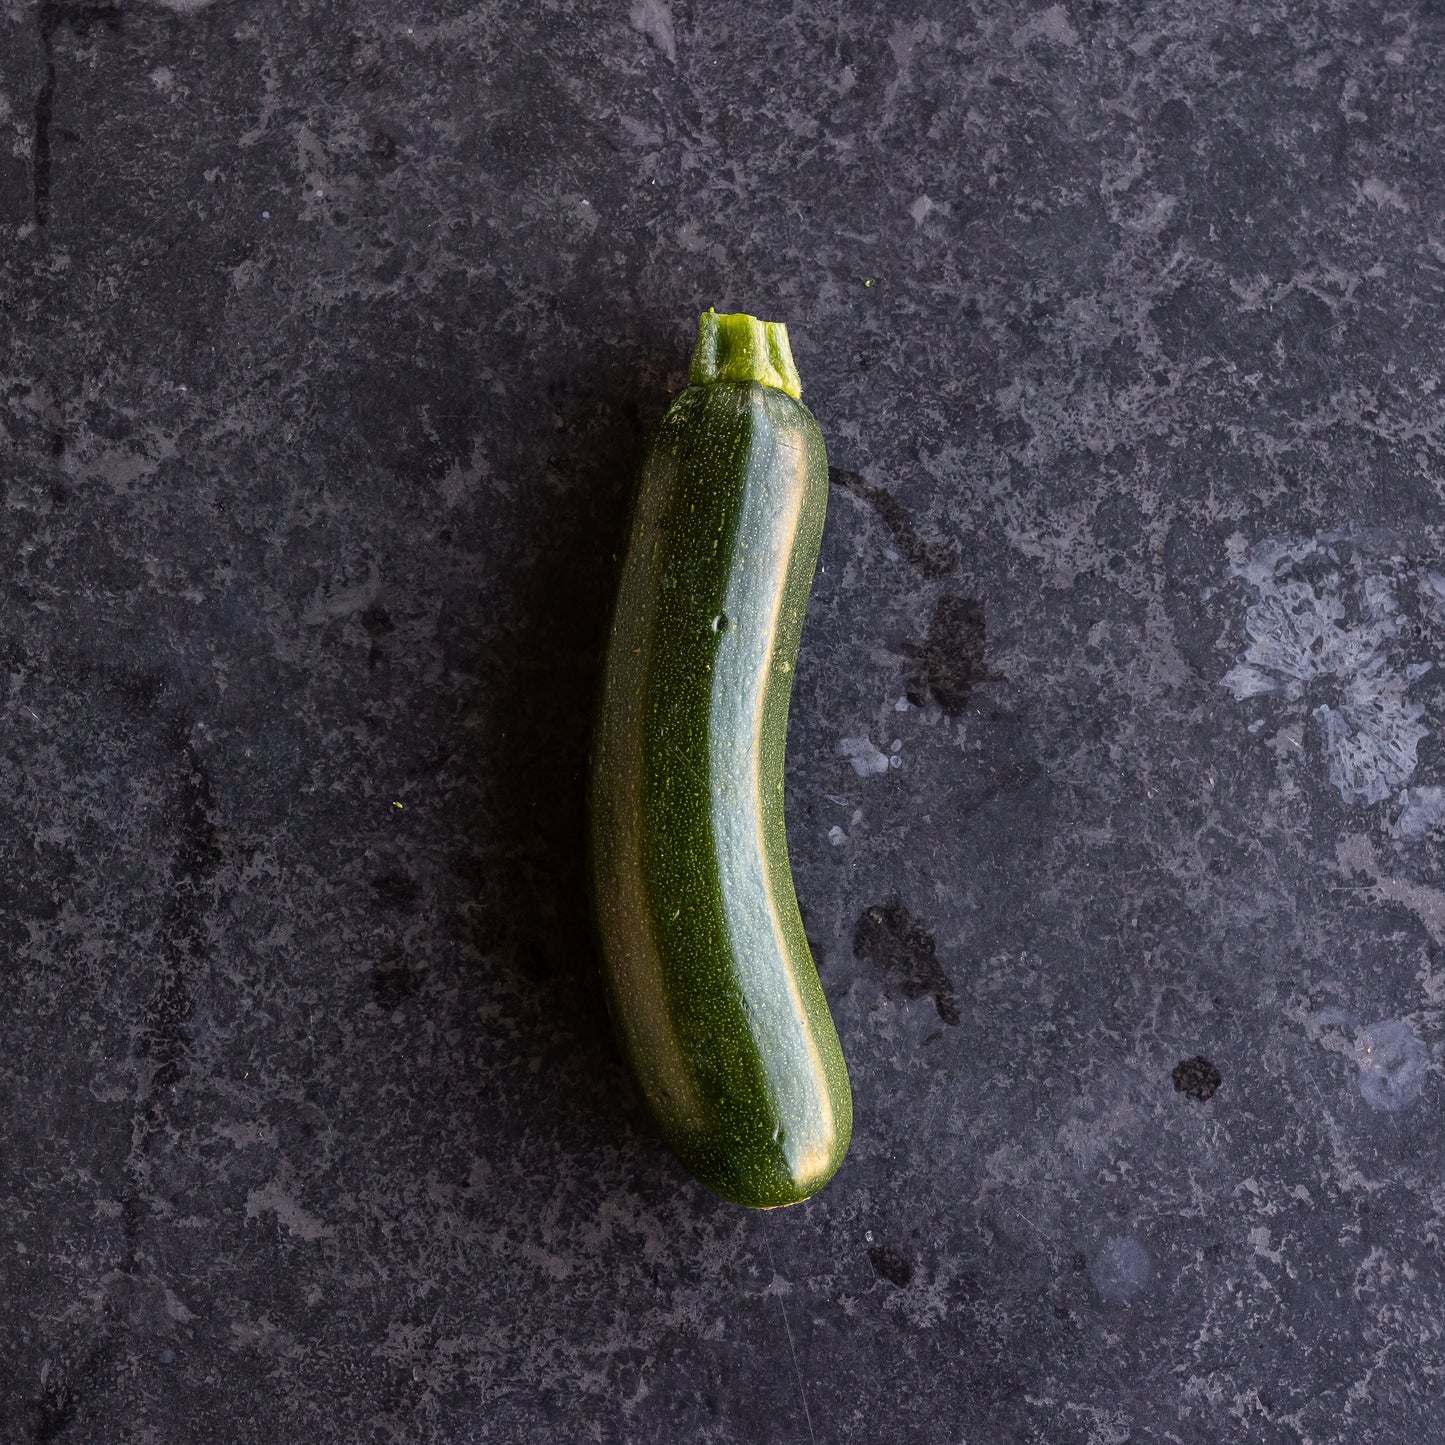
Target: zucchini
[710, 982]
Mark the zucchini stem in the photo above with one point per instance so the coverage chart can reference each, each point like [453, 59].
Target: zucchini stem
[742, 348]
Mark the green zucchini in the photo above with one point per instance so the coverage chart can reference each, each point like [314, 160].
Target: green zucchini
[710, 981]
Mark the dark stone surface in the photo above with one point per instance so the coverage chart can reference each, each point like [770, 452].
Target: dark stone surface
[331, 332]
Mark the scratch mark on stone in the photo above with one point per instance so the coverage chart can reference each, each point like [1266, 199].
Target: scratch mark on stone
[1013, 1209]
[802, 1392]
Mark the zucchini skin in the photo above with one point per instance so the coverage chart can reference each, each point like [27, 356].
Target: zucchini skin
[710, 981]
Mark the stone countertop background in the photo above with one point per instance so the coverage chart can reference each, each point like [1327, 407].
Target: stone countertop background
[331, 334]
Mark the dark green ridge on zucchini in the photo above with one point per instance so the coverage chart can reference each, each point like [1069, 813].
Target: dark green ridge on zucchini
[710, 981]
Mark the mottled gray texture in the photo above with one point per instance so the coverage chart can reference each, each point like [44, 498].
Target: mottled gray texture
[331, 331]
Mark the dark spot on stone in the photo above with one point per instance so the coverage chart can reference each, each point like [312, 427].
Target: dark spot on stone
[951, 662]
[57, 1411]
[890, 1265]
[83, 15]
[227, 846]
[933, 559]
[482, 931]
[1063, 1312]
[395, 891]
[393, 981]
[377, 621]
[144, 687]
[401, 1387]
[50, 15]
[533, 962]
[362, 62]
[381, 147]
[471, 870]
[44, 114]
[199, 849]
[889, 936]
[1196, 1077]
[1175, 117]
[819, 955]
